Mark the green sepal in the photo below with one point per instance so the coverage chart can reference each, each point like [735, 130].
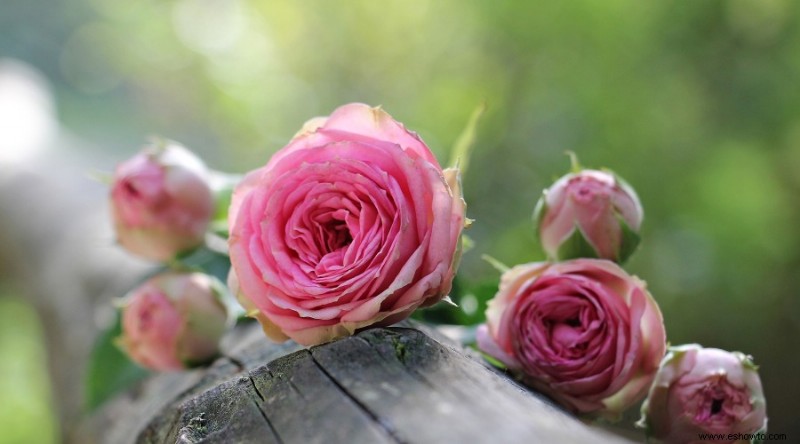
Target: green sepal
[747, 361]
[576, 246]
[461, 151]
[539, 212]
[629, 241]
[466, 243]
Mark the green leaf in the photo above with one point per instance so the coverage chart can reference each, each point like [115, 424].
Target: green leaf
[222, 185]
[460, 153]
[207, 261]
[109, 370]
[576, 246]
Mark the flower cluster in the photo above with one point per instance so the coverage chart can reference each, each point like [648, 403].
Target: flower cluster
[161, 205]
[354, 223]
[591, 336]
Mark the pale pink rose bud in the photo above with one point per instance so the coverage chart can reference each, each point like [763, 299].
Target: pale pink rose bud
[589, 213]
[173, 321]
[352, 224]
[161, 202]
[583, 332]
[700, 391]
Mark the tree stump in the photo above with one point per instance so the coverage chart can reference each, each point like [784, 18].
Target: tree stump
[383, 385]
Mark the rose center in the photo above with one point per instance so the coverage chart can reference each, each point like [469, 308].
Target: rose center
[130, 188]
[337, 236]
[721, 402]
[716, 406]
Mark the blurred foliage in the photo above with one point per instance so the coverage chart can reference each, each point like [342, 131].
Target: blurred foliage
[26, 415]
[693, 103]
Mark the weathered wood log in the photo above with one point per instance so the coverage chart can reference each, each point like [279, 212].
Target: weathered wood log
[384, 385]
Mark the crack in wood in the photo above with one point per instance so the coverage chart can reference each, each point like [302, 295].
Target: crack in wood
[385, 425]
[258, 407]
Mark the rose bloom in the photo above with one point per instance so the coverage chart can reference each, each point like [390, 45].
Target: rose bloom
[161, 202]
[704, 390]
[352, 224]
[173, 321]
[583, 332]
[590, 213]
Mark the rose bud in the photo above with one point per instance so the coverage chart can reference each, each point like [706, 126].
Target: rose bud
[352, 224]
[173, 321]
[589, 213]
[583, 332]
[701, 391]
[161, 201]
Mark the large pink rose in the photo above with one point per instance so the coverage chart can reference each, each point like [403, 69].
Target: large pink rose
[584, 332]
[353, 223]
[161, 201]
[173, 321]
[700, 391]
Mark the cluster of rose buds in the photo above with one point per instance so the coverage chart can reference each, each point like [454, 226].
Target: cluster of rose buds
[591, 336]
[161, 205]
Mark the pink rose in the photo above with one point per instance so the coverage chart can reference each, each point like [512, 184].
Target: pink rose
[589, 214]
[161, 202]
[705, 390]
[173, 321]
[583, 332]
[352, 224]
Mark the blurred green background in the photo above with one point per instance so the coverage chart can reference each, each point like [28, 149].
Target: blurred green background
[696, 104]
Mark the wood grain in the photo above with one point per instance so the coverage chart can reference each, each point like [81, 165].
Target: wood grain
[403, 384]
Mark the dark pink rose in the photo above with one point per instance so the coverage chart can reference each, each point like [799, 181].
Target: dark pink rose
[173, 321]
[590, 213]
[161, 202]
[584, 332]
[353, 223]
[705, 390]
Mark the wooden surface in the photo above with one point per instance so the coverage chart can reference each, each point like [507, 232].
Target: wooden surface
[386, 385]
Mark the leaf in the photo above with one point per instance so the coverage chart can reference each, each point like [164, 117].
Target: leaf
[462, 148]
[207, 261]
[222, 185]
[109, 370]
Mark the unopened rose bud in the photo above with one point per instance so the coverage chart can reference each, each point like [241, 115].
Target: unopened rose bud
[589, 213]
[161, 201]
[173, 321]
[699, 391]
